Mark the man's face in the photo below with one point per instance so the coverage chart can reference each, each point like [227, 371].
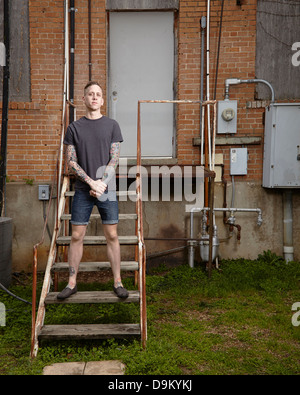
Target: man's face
[93, 98]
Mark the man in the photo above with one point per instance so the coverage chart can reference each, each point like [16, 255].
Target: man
[92, 154]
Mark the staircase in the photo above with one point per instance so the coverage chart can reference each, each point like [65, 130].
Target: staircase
[61, 240]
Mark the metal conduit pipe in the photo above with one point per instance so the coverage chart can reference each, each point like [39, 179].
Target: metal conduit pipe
[203, 26]
[5, 106]
[192, 243]
[90, 38]
[72, 59]
[236, 81]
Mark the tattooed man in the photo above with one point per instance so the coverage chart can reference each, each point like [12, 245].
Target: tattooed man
[92, 154]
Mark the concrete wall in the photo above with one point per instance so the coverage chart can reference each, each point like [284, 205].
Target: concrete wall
[161, 219]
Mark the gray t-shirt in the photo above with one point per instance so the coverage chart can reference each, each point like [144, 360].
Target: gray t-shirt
[92, 139]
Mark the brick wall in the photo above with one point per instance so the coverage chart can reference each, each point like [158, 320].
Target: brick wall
[236, 60]
[34, 127]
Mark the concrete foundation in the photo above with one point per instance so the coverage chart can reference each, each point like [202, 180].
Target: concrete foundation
[161, 220]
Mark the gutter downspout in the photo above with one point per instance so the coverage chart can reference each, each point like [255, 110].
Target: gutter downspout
[287, 203]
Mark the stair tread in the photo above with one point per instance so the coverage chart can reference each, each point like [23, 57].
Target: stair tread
[89, 331]
[95, 266]
[96, 215]
[63, 240]
[119, 193]
[93, 297]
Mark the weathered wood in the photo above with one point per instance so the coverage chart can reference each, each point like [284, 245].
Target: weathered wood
[231, 140]
[119, 193]
[96, 216]
[90, 331]
[47, 278]
[95, 266]
[96, 240]
[93, 297]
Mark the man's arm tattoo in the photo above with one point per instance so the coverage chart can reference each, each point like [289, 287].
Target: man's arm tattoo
[73, 165]
[110, 169]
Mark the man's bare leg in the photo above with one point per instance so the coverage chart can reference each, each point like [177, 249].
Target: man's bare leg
[75, 252]
[75, 255]
[114, 254]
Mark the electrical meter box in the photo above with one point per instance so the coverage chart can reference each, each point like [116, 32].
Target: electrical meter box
[227, 116]
[238, 161]
[44, 192]
[281, 166]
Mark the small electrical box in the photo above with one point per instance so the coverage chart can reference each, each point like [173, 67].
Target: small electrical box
[44, 193]
[238, 161]
[227, 116]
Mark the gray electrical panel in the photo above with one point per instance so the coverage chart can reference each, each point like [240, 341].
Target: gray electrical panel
[238, 161]
[44, 192]
[281, 166]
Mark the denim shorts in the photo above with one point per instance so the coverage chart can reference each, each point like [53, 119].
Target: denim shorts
[83, 203]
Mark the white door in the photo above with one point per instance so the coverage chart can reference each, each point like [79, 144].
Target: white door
[141, 67]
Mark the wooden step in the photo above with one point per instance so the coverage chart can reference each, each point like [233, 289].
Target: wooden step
[93, 297]
[96, 216]
[119, 193]
[95, 266]
[96, 240]
[89, 331]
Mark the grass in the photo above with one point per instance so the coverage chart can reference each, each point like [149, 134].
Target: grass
[236, 323]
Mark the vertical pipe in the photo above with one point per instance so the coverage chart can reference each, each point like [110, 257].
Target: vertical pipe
[208, 141]
[5, 101]
[203, 25]
[90, 39]
[207, 50]
[288, 249]
[206, 156]
[218, 53]
[72, 57]
[211, 223]
[65, 95]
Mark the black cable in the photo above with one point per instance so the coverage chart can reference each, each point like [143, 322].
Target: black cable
[15, 296]
[218, 53]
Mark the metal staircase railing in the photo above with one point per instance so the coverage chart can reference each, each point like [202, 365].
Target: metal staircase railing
[39, 330]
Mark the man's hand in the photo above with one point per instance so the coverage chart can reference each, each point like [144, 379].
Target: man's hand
[98, 187]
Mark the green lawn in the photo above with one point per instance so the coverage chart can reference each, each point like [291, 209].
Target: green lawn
[236, 323]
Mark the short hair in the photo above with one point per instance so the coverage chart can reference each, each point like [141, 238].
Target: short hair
[91, 83]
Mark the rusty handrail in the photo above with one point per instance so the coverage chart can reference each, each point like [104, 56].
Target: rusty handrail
[35, 264]
[57, 176]
[141, 246]
[141, 250]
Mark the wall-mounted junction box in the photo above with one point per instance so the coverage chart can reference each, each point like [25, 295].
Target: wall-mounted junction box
[281, 166]
[227, 116]
[238, 161]
[44, 192]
